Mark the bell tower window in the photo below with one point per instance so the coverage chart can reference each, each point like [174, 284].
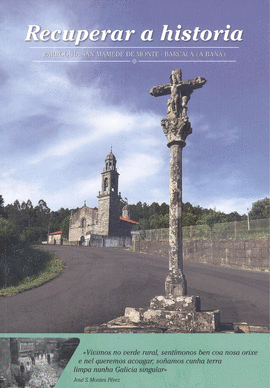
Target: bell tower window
[113, 184]
[106, 184]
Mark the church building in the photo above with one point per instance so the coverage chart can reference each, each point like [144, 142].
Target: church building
[107, 219]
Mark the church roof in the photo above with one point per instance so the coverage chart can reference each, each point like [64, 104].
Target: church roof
[128, 220]
[59, 232]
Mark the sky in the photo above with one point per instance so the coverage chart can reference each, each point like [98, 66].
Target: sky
[65, 105]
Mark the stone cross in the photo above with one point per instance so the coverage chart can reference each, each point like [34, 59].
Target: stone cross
[176, 128]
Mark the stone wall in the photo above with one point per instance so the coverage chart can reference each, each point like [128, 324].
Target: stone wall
[114, 242]
[103, 241]
[245, 254]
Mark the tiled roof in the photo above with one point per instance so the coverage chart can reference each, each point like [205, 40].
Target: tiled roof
[128, 220]
[59, 232]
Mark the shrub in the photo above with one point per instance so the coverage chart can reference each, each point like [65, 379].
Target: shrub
[18, 260]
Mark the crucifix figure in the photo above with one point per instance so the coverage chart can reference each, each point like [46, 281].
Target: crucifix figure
[176, 128]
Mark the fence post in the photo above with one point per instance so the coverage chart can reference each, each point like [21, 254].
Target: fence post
[248, 218]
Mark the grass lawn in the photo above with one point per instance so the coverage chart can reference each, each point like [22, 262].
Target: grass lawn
[52, 267]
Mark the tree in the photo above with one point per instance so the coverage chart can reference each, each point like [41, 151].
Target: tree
[42, 213]
[233, 216]
[13, 213]
[143, 224]
[9, 236]
[211, 218]
[42, 207]
[9, 244]
[153, 209]
[260, 209]
[65, 226]
[2, 208]
[34, 234]
[164, 209]
[139, 211]
[58, 221]
[158, 221]
[188, 218]
[27, 214]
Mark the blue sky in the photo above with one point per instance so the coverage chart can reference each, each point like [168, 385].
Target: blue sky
[61, 115]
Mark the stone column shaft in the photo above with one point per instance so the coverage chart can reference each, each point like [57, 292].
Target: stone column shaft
[175, 284]
[175, 223]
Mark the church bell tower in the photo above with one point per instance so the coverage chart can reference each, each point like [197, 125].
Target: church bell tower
[109, 199]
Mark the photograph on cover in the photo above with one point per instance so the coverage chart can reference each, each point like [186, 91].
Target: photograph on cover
[34, 362]
[134, 189]
[134, 192]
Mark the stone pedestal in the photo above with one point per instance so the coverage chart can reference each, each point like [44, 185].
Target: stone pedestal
[181, 314]
[175, 284]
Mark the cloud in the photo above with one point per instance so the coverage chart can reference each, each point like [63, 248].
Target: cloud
[75, 194]
[228, 205]
[138, 167]
[21, 189]
[223, 131]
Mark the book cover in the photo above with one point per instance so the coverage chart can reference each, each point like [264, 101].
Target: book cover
[76, 78]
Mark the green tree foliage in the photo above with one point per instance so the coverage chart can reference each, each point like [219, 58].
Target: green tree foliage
[260, 209]
[28, 214]
[190, 214]
[9, 237]
[234, 216]
[56, 220]
[42, 213]
[10, 244]
[34, 234]
[158, 221]
[13, 213]
[34, 223]
[18, 260]
[211, 218]
[2, 208]
[156, 216]
[64, 227]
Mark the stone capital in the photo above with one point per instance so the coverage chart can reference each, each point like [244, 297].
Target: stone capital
[176, 130]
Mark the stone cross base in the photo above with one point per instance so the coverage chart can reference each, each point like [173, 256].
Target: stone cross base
[166, 315]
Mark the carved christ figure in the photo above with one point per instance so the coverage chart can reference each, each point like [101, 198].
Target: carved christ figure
[180, 92]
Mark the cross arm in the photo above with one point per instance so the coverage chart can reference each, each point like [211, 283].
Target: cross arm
[162, 90]
[194, 83]
[183, 86]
